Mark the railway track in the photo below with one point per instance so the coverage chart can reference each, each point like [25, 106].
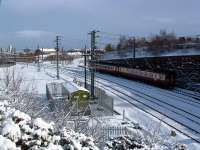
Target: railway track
[167, 93]
[194, 132]
[193, 99]
[157, 114]
[194, 95]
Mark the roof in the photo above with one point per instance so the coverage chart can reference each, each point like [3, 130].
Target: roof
[140, 53]
[71, 87]
[47, 50]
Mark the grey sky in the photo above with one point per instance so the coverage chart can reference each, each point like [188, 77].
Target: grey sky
[26, 23]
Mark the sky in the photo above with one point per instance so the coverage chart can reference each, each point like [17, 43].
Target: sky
[28, 23]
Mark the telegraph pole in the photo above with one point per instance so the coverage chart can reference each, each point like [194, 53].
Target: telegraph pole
[133, 46]
[85, 60]
[14, 51]
[57, 54]
[42, 55]
[38, 47]
[93, 47]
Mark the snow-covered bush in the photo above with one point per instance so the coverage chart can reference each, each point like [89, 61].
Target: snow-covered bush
[124, 143]
[20, 132]
[131, 143]
[6, 144]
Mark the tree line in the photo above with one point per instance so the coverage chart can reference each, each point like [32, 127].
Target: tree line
[162, 41]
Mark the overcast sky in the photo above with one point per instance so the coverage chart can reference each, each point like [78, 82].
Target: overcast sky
[26, 23]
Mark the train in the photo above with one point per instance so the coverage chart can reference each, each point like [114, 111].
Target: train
[164, 79]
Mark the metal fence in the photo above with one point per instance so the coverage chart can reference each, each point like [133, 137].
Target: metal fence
[57, 96]
[103, 99]
[55, 91]
[110, 132]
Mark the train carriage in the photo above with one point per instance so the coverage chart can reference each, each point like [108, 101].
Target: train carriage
[162, 79]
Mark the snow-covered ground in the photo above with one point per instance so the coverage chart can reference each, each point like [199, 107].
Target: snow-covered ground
[146, 120]
[31, 75]
[45, 75]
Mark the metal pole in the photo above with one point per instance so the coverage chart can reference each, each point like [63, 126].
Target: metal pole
[57, 55]
[93, 47]
[42, 54]
[85, 60]
[133, 51]
[92, 59]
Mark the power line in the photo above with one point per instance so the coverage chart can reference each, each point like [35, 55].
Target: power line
[116, 34]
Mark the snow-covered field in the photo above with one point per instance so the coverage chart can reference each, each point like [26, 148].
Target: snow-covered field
[47, 74]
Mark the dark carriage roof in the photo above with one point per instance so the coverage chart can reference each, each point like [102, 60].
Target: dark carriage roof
[128, 54]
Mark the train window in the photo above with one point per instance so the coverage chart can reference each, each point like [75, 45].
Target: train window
[159, 76]
[163, 77]
[148, 74]
[125, 70]
[155, 77]
[130, 70]
[151, 74]
[137, 72]
[142, 73]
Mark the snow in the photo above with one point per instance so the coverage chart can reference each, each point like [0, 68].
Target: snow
[36, 134]
[39, 123]
[6, 144]
[11, 130]
[31, 76]
[72, 87]
[38, 126]
[74, 53]
[47, 50]
[144, 119]
[54, 147]
[22, 117]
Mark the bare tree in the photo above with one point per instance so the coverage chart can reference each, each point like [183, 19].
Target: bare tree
[19, 93]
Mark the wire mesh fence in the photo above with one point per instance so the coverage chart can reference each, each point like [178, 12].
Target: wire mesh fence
[110, 132]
